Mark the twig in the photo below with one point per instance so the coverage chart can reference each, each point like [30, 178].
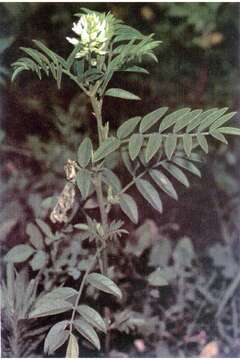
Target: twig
[91, 265]
[228, 294]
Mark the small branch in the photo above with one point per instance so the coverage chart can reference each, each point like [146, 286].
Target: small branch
[91, 265]
[228, 294]
[76, 81]
[131, 183]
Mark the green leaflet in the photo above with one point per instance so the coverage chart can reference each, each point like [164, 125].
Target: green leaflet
[198, 120]
[186, 119]
[202, 142]
[84, 152]
[164, 183]
[127, 162]
[135, 144]
[229, 130]
[87, 331]
[107, 147]
[92, 317]
[50, 307]
[128, 127]
[19, 253]
[111, 179]
[61, 293]
[211, 118]
[129, 207]
[221, 121]
[84, 182]
[56, 337]
[35, 235]
[38, 260]
[105, 284]
[153, 145]
[120, 93]
[170, 119]
[150, 119]
[136, 69]
[217, 135]
[187, 144]
[170, 145]
[177, 173]
[188, 165]
[149, 193]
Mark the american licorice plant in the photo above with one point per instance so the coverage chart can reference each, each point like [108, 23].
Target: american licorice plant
[103, 45]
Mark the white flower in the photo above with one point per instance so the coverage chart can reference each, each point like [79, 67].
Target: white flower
[93, 32]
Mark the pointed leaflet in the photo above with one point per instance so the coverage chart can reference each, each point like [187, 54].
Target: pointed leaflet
[129, 207]
[229, 130]
[56, 337]
[135, 144]
[120, 93]
[153, 145]
[198, 120]
[187, 144]
[164, 183]
[85, 152]
[72, 348]
[111, 179]
[84, 182]
[220, 137]
[170, 119]
[176, 173]
[136, 69]
[170, 145]
[92, 317]
[149, 193]
[126, 160]
[87, 331]
[50, 307]
[107, 147]
[188, 165]
[61, 293]
[150, 119]
[186, 119]
[105, 284]
[211, 118]
[221, 121]
[35, 235]
[202, 142]
[19, 253]
[128, 127]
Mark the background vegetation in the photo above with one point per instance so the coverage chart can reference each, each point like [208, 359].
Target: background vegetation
[198, 237]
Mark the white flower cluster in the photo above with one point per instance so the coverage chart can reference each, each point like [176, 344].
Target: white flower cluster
[93, 33]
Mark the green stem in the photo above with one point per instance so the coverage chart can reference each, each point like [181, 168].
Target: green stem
[97, 107]
[91, 265]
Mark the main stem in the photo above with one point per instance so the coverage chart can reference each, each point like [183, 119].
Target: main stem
[97, 107]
